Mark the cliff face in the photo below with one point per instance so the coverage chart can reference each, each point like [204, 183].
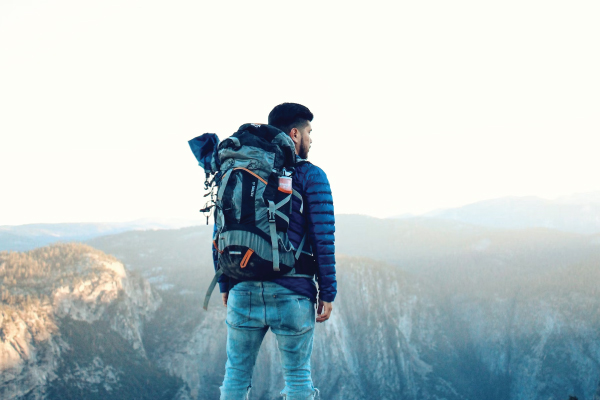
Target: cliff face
[393, 336]
[27, 351]
[485, 315]
[129, 298]
[53, 297]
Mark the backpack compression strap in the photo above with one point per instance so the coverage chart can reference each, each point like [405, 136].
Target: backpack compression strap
[292, 273]
[298, 195]
[301, 246]
[274, 237]
[223, 183]
[213, 283]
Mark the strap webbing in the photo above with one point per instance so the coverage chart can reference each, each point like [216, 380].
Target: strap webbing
[298, 276]
[293, 274]
[301, 246]
[283, 202]
[211, 287]
[298, 195]
[221, 217]
[274, 237]
[223, 184]
[219, 211]
[273, 210]
[282, 216]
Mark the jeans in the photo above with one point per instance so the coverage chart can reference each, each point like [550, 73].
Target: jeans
[253, 307]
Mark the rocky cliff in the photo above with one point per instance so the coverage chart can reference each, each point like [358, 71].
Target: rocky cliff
[425, 310]
[449, 311]
[394, 336]
[71, 321]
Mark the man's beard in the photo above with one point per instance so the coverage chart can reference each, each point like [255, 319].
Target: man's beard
[303, 153]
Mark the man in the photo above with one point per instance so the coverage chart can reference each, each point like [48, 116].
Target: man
[286, 305]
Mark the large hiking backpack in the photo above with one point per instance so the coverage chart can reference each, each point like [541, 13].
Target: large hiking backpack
[252, 209]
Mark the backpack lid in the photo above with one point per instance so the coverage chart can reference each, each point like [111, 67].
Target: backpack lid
[251, 138]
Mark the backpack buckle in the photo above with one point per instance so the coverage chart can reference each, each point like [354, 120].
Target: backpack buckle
[270, 216]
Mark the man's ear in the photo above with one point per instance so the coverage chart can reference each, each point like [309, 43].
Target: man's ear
[295, 135]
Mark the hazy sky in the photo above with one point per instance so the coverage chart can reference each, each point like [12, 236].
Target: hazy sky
[418, 105]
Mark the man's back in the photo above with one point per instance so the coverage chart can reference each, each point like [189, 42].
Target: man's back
[286, 304]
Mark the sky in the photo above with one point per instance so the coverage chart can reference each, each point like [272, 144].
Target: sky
[418, 105]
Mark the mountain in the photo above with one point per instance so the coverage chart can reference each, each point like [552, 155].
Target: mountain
[578, 213]
[30, 236]
[71, 327]
[430, 246]
[427, 309]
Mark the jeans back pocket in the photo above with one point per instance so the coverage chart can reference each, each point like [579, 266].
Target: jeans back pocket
[296, 313]
[238, 307]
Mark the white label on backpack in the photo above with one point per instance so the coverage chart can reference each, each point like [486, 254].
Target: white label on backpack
[253, 189]
[235, 252]
[285, 183]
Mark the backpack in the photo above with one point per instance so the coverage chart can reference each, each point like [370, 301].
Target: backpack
[252, 208]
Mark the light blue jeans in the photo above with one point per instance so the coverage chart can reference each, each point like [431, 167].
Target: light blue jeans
[253, 308]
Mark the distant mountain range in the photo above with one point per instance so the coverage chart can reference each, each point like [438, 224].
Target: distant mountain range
[578, 213]
[430, 245]
[30, 236]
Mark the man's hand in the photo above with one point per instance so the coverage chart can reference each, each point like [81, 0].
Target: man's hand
[324, 311]
[225, 296]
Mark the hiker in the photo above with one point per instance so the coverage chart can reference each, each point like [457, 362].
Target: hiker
[287, 303]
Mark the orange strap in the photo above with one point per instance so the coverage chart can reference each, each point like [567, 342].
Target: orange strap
[246, 258]
[250, 172]
[262, 180]
[216, 247]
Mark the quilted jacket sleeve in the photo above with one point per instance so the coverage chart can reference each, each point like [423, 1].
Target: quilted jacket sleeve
[321, 229]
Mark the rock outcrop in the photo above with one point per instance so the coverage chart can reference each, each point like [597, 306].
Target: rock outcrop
[50, 290]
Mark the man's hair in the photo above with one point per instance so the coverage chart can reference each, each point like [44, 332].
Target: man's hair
[287, 116]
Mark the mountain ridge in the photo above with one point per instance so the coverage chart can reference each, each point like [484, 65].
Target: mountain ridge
[484, 321]
[427, 309]
[29, 236]
[579, 213]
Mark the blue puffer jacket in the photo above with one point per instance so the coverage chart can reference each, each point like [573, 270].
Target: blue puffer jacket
[318, 216]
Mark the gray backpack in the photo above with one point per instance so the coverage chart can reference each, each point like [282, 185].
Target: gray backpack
[252, 208]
